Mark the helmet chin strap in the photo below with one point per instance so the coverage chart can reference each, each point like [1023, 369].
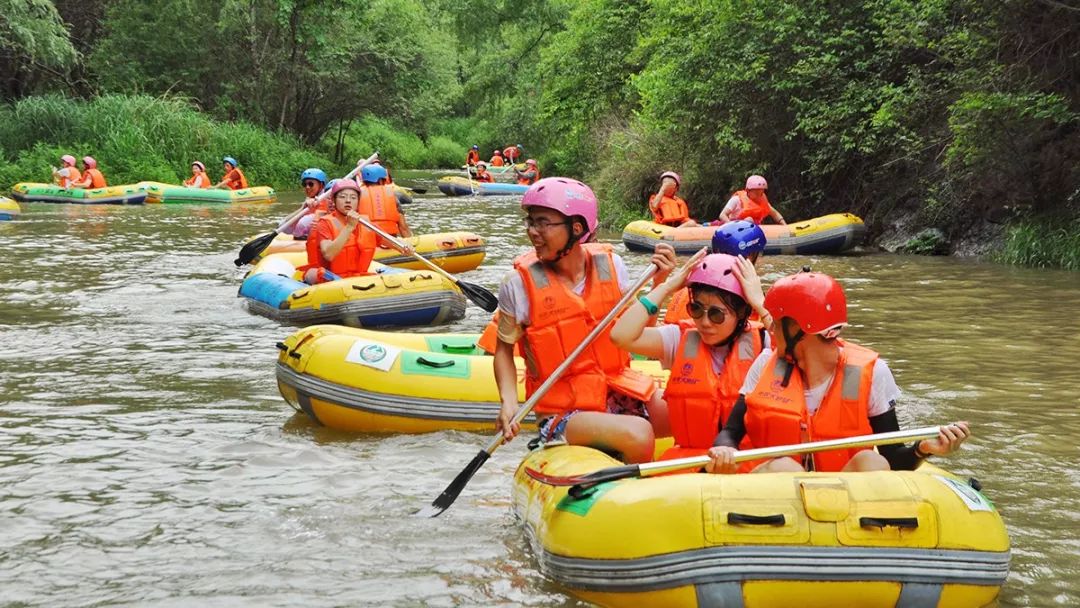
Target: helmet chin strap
[789, 352]
[570, 242]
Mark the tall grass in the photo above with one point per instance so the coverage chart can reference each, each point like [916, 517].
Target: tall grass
[1044, 243]
[137, 138]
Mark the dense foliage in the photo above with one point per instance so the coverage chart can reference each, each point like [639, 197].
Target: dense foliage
[952, 110]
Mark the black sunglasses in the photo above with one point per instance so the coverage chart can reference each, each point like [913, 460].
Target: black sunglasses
[311, 183]
[696, 310]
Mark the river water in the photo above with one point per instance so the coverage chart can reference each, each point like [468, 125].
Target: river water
[147, 459]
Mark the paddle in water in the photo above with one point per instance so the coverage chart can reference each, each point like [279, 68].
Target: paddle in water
[477, 294]
[587, 480]
[450, 494]
[257, 245]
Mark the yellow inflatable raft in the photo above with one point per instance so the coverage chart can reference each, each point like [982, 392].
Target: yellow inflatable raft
[365, 381]
[452, 251]
[394, 297]
[821, 235]
[9, 209]
[812, 540]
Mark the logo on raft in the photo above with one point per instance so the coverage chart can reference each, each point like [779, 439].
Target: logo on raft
[372, 353]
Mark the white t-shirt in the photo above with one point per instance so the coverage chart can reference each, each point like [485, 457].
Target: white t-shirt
[514, 302]
[883, 389]
[732, 204]
[670, 335]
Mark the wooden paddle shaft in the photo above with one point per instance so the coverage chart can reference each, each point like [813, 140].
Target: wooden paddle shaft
[585, 342]
[666, 466]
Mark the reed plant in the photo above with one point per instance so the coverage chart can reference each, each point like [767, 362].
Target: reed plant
[1044, 242]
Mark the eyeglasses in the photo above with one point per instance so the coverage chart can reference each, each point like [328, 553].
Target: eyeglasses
[696, 310]
[311, 183]
[542, 224]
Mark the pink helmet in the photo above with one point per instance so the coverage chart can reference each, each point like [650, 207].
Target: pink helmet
[68, 159]
[718, 270]
[531, 161]
[199, 164]
[672, 175]
[89, 162]
[482, 164]
[756, 182]
[344, 184]
[567, 196]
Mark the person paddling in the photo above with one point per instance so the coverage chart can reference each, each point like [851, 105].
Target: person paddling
[815, 386]
[548, 304]
[339, 246]
[91, 177]
[751, 203]
[199, 178]
[666, 206]
[234, 178]
[496, 159]
[482, 174]
[708, 355]
[67, 175]
[313, 181]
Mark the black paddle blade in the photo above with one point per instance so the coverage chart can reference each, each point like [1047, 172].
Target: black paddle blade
[253, 248]
[450, 494]
[586, 479]
[479, 296]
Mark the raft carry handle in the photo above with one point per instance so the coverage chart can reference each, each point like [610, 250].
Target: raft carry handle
[907, 523]
[745, 519]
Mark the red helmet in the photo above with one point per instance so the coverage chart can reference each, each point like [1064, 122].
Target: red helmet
[813, 300]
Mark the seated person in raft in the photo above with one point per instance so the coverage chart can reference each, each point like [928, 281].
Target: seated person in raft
[666, 206]
[813, 386]
[750, 203]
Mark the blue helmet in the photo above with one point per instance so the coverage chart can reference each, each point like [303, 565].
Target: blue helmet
[741, 237]
[231, 161]
[316, 174]
[475, 147]
[371, 174]
[329, 185]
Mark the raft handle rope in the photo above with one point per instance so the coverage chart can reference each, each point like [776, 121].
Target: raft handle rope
[435, 364]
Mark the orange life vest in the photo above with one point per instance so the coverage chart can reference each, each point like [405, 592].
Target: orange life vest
[472, 157]
[496, 161]
[671, 210]
[750, 209]
[484, 177]
[379, 203]
[698, 398]
[198, 181]
[776, 415]
[559, 321]
[355, 258]
[528, 181]
[489, 338]
[235, 179]
[97, 180]
[511, 153]
[73, 177]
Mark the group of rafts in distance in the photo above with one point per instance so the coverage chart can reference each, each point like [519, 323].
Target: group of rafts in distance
[755, 453]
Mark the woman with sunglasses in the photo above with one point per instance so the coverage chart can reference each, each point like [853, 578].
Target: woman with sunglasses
[548, 303]
[816, 386]
[741, 238]
[313, 181]
[708, 355]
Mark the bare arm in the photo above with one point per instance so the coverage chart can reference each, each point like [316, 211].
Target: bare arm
[775, 215]
[506, 381]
